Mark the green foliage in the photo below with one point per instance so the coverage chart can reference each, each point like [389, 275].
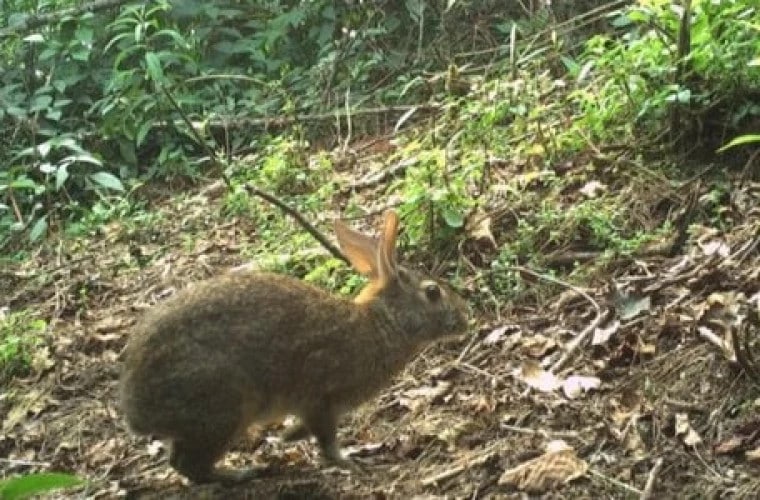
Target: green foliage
[20, 487]
[635, 76]
[21, 334]
[84, 102]
[433, 196]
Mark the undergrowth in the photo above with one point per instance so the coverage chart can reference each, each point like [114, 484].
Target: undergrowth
[21, 335]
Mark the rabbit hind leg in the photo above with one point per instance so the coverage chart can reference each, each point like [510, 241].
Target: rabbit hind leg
[202, 441]
[196, 458]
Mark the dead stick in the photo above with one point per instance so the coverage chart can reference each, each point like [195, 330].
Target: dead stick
[648, 492]
[579, 339]
[299, 218]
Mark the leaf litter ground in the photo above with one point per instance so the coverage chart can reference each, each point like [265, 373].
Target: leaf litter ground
[653, 404]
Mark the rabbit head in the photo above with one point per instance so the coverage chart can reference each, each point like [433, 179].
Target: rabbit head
[421, 308]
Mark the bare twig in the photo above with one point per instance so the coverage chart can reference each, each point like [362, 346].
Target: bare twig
[582, 337]
[198, 139]
[648, 492]
[299, 218]
[612, 480]
[15, 462]
[541, 432]
[462, 464]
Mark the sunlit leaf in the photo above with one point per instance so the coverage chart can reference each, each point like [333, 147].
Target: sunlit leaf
[61, 175]
[453, 218]
[107, 180]
[153, 63]
[38, 230]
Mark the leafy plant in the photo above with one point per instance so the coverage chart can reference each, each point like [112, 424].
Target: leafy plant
[640, 77]
[21, 334]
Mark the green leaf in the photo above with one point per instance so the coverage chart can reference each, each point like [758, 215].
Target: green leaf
[23, 183]
[740, 141]
[34, 38]
[33, 484]
[155, 71]
[40, 102]
[84, 34]
[61, 175]
[107, 180]
[83, 157]
[453, 218]
[38, 231]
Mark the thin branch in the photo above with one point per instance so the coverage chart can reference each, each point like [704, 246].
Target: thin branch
[648, 492]
[198, 139]
[299, 218]
[579, 339]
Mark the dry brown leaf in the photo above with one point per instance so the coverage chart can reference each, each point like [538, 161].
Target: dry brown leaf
[575, 386]
[155, 447]
[111, 324]
[602, 335]
[683, 428]
[478, 228]
[546, 472]
[531, 373]
[538, 345]
[42, 360]
[729, 446]
[633, 443]
[629, 406]
[428, 392]
[715, 247]
[593, 189]
[30, 403]
[496, 335]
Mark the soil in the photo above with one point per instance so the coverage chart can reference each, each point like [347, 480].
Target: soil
[652, 403]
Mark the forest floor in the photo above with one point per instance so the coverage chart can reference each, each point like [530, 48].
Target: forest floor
[652, 403]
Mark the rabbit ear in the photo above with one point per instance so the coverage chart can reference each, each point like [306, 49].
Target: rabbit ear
[386, 250]
[361, 250]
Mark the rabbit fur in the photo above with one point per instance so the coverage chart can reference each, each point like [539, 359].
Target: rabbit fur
[251, 347]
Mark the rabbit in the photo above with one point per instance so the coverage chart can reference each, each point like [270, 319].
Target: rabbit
[252, 347]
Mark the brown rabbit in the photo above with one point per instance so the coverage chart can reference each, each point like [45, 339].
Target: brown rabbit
[249, 347]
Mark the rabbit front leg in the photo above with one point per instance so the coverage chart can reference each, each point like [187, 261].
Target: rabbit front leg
[324, 425]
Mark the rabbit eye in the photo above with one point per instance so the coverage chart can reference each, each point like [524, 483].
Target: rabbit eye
[432, 291]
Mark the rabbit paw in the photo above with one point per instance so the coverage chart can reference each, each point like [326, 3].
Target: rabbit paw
[232, 476]
[346, 464]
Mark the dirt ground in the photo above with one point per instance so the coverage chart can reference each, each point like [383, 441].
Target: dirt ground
[650, 403]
